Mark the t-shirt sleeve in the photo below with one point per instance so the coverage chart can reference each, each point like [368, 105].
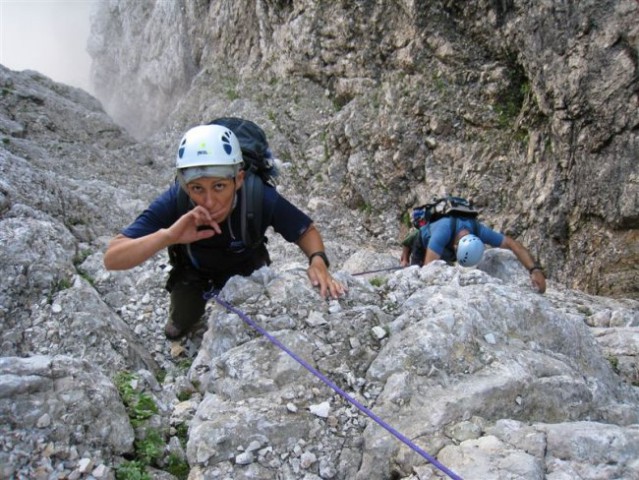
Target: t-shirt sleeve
[490, 236]
[287, 220]
[162, 213]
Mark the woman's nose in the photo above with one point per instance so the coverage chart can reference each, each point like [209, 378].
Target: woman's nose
[209, 200]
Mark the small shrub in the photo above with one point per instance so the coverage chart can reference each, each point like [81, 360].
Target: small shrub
[185, 363]
[131, 470]
[150, 449]
[614, 363]
[182, 433]
[81, 256]
[178, 467]
[184, 396]
[139, 406]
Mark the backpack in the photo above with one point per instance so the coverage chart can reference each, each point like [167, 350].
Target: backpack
[260, 168]
[447, 206]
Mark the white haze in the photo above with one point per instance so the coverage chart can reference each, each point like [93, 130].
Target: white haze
[49, 36]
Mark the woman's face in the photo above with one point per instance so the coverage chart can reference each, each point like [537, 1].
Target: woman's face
[215, 194]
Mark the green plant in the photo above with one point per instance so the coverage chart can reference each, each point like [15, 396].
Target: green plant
[143, 409]
[58, 286]
[366, 208]
[81, 256]
[6, 141]
[406, 220]
[161, 376]
[139, 406]
[614, 363]
[184, 396]
[122, 382]
[87, 277]
[131, 470]
[177, 467]
[376, 281]
[149, 449]
[182, 433]
[511, 99]
[185, 363]
[231, 93]
[63, 284]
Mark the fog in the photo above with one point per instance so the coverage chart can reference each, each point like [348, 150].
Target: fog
[49, 36]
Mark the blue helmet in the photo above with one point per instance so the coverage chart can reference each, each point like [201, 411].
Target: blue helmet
[470, 250]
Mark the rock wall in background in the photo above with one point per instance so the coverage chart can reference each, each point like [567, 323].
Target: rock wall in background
[529, 108]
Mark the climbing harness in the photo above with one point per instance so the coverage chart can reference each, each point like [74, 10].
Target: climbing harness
[214, 294]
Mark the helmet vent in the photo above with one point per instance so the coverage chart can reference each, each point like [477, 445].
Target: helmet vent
[228, 148]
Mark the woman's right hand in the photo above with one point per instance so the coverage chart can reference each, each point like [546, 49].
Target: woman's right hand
[123, 252]
[196, 224]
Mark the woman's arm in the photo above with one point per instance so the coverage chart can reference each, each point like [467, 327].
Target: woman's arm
[123, 252]
[311, 242]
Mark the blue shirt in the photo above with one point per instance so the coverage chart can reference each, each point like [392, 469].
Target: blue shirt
[224, 252]
[440, 235]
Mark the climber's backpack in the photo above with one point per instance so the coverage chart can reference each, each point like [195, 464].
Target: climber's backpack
[447, 206]
[260, 168]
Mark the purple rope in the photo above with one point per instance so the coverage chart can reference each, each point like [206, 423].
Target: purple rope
[328, 382]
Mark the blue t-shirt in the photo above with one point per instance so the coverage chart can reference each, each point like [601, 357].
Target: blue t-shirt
[224, 252]
[440, 235]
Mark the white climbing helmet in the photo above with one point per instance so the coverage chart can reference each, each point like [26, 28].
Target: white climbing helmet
[470, 250]
[208, 151]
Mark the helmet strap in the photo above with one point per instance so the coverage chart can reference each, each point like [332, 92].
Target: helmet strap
[180, 179]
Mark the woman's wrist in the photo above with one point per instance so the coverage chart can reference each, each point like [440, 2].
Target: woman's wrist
[320, 254]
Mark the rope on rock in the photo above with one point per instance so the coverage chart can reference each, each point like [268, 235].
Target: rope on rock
[377, 271]
[214, 295]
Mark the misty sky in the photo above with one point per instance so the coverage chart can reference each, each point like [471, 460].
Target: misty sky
[49, 36]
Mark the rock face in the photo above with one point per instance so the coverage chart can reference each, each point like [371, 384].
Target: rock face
[529, 108]
[469, 365]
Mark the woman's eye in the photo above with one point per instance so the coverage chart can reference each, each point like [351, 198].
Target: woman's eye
[219, 186]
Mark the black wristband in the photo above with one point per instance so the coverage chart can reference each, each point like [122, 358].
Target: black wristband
[322, 255]
[536, 266]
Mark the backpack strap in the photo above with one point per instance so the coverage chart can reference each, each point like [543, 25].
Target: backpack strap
[252, 214]
[475, 227]
[453, 232]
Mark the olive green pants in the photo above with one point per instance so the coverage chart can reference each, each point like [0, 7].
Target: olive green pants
[187, 305]
[188, 287]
